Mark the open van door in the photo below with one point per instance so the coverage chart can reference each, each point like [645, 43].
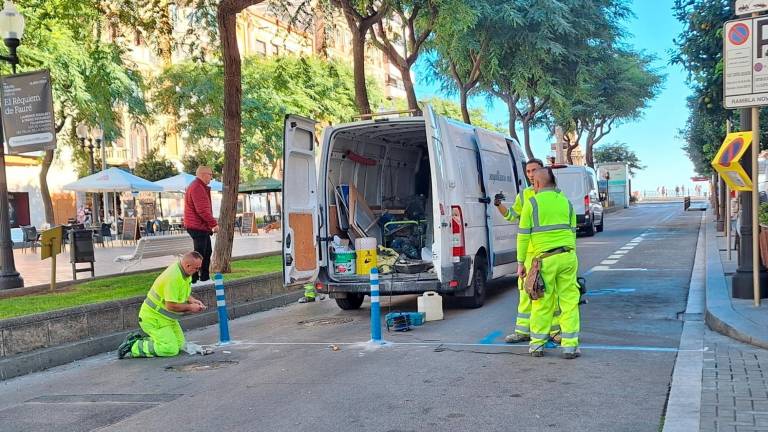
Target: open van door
[300, 222]
[499, 175]
[442, 257]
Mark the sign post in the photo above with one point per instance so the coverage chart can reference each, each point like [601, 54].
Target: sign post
[745, 85]
[50, 247]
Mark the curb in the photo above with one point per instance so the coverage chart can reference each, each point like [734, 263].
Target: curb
[683, 408]
[40, 360]
[719, 314]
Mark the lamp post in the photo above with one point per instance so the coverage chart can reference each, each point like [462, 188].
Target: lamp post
[11, 30]
[93, 136]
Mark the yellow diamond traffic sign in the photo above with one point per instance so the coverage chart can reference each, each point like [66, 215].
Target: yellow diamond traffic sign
[726, 161]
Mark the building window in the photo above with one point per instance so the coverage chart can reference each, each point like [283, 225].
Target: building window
[138, 39]
[139, 140]
[260, 47]
[275, 49]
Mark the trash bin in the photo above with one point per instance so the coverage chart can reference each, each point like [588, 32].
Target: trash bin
[81, 251]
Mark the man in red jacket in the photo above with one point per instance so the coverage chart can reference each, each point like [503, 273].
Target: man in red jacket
[199, 220]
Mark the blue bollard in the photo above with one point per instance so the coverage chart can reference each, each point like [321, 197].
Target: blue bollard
[221, 305]
[375, 306]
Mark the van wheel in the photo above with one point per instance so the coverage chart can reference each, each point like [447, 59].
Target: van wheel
[602, 224]
[478, 285]
[590, 231]
[352, 302]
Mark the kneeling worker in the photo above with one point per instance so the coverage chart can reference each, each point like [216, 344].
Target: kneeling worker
[169, 298]
[548, 234]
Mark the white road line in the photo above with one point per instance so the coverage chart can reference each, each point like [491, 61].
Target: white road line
[615, 256]
[622, 252]
[606, 268]
[608, 262]
[627, 247]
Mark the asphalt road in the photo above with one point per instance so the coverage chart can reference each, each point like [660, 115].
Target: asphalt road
[451, 375]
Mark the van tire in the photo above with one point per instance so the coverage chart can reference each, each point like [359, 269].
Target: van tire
[602, 224]
[478, 285]
[353, 301]
[590, 231]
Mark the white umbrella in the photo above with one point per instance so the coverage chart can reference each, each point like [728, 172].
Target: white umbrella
[112, 180]
[180, 182]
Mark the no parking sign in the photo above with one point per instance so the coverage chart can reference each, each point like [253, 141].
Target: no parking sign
[726, 161]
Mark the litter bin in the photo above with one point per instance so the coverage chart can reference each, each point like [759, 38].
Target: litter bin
[81, 251]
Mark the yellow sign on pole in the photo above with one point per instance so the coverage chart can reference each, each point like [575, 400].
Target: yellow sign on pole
[727, 161]
[50, 246]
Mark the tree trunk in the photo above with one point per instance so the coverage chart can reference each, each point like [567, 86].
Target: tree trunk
[512, 115]
[527, 138]
[569, 154]
[227, 20]
[464, 111]
[165, 33]
[45, 193]
[358, 67]
[410, 91]
[588, 152]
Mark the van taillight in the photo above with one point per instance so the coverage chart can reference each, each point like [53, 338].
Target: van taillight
[586, 203]
[457, 228]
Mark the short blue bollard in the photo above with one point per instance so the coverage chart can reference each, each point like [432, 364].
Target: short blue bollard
[221, 305]
[375, 306]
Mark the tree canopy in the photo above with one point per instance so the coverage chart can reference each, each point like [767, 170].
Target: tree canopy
[619, 152]
[154, 167]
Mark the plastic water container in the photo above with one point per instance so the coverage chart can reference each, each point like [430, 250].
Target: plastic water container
[365, 251]
[431, 303]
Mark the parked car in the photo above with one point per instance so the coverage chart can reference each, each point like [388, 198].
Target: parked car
[579, 184]
[429, 174]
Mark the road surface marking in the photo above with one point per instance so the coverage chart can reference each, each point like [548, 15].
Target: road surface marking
[608, 262]
[491, 337]
[615, 256]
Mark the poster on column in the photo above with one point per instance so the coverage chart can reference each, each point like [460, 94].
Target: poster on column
[27, 116]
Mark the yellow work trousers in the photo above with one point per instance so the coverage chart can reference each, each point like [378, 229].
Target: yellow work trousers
[164, 337]
[560, 289]
[523, 320]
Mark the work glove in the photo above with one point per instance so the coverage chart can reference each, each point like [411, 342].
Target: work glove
[498, 198]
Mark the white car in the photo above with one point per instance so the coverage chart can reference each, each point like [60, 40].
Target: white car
[579, 184]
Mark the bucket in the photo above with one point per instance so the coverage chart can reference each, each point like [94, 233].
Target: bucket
[365, 250]
[431, 304]
[344, 262]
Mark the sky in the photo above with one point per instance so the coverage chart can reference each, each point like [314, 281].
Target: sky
[655, 136]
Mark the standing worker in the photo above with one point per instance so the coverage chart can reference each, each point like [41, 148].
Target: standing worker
[522, 322]
[546, 243]
[199, 220]
[169, 298]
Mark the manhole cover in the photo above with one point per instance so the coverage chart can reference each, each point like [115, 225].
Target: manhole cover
[326, 321]
[200, 366]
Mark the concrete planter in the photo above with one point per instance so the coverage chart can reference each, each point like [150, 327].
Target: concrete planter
[36, 342]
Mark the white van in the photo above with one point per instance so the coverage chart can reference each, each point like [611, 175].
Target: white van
[579, 184]
[431, 175]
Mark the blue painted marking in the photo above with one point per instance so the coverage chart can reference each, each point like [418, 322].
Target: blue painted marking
[605, 291]
[491, 337]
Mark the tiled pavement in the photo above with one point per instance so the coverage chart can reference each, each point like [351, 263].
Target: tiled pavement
[735, 386]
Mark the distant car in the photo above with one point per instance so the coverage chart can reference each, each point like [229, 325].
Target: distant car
[579, 184]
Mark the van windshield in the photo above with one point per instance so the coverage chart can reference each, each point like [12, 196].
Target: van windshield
[572, 185]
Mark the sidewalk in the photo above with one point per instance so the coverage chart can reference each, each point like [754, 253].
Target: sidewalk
[737, 318]
[38, 272]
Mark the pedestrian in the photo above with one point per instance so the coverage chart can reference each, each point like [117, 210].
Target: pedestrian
[546, 241]
[199, 220]
[522, 322]
[169, 298]
[735, 218]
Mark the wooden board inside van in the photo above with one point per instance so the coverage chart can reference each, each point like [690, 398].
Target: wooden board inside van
[304, 247]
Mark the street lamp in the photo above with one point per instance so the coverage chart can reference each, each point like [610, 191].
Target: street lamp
[93, 136]
[12, 31]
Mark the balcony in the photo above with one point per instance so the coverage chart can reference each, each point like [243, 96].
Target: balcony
[117, 155]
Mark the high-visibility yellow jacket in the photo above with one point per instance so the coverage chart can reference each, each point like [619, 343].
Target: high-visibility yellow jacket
[172, 285]
[547, 222]
[513, 213]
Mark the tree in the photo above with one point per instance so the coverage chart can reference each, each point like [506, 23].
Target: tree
[420, 19]
[90, 80]
[272, 88]
[699, 51]
[617, 87]
[461, 52]
[203, 156]
[618, 152]
[154, 167]
[542, 53]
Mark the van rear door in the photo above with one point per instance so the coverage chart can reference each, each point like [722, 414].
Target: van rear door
[442, 257]
[499, 176]
[300, 222]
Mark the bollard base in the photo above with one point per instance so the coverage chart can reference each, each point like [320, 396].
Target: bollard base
[379, 342]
